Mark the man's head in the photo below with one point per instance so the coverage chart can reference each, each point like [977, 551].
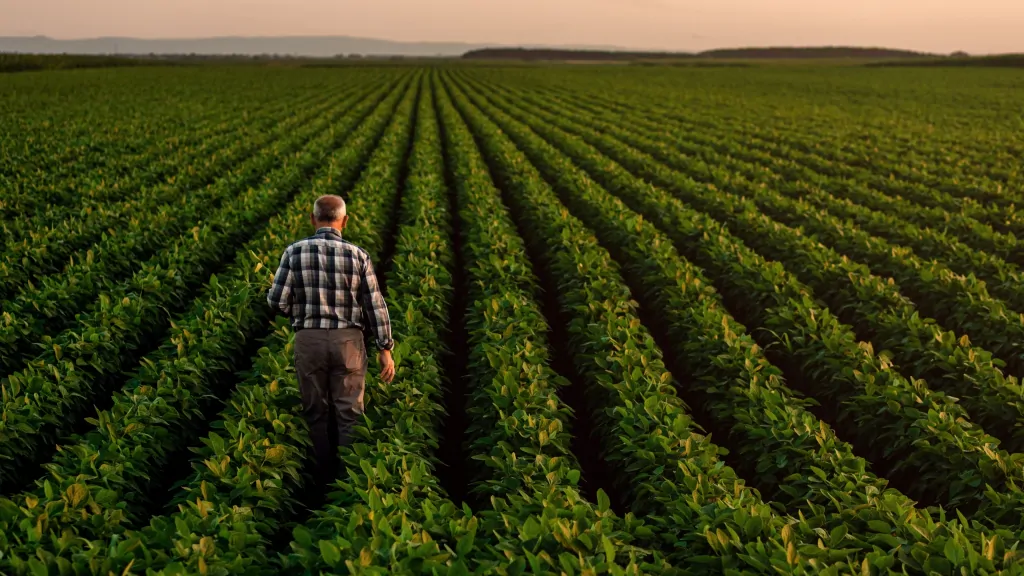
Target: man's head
[329, 211]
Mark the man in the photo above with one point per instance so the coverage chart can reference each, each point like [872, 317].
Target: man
[328, 287]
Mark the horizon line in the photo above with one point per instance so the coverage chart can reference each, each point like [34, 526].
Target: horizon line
[600, 47]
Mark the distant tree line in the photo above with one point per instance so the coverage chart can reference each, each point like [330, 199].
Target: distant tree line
[27, 62]
[777, 53]
[18, 62]
[963, 60]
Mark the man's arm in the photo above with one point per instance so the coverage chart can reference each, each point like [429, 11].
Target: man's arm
[280, 295]
[374, 308]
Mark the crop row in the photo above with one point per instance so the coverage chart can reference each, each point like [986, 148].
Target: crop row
[871, 304]
[942, 180]
[787, 174]
[944, 183]
[98, 191]
[894, 414]
[75, 131]
[258, 470]
[164, 400]
[957, 199]
[846, 481]
[127, 146]
[526, 478]
[388, 513]
[818, 475]
[414, 527]
[956, 301]
[43, 249]
[1003, 279]
[43, 399]
[698, 509]
[50, 304]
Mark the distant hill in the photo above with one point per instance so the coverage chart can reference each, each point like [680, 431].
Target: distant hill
[314, 46]
[818, 52]
[300, 46]
[332, 46]
[778, 53]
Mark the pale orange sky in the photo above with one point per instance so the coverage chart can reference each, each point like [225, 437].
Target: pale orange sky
[977, 26]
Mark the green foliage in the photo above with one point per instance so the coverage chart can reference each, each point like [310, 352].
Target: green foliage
[524, 468]
[891, 413]
[161, 407]
[389, 515]
[700, 513]
[27, 62]
[49, 304]
[835, 288]
[813, 471]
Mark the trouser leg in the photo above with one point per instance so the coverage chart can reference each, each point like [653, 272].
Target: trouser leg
[347, 380]
[313, 371]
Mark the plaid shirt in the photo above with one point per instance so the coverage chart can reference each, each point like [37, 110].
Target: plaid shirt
[325, 282]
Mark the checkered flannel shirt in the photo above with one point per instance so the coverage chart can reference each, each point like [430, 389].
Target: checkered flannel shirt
[325, 282]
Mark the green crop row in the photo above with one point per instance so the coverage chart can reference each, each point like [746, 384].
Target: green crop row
[50, 304]
[524, 469]
[904, 424]
[959, 301]
[938, 186]
[389, 515]
[817, 474]
[255, 451]
[43, 399]
[1003, 280]
[158, 403]
[224, 479]
[133, 132]
[75, 120]
[44, 195]
[871, 304]
[41, 250]
[786, 174]
[700, 512]
[97, 189]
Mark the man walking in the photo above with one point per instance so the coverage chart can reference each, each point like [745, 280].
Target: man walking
[328, 287]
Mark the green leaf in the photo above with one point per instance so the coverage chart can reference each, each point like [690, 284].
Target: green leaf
[330, 553]
[953, 552]
[174, 569]
[531, 529]
[303, 536]
[609, 549]
[753, 526]
[37, 567]
[465, 544]
[837, 535]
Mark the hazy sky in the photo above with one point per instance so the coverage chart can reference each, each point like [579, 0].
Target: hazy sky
[934, 25]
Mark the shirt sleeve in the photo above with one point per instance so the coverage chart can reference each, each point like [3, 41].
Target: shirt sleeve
[374, 308]
[280, 294]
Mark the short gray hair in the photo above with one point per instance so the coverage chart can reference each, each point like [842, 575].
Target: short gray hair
[329, 208]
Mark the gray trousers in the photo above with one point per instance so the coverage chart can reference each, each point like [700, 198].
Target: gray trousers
[331, 368]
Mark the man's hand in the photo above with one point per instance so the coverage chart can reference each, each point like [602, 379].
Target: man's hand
[387, 366]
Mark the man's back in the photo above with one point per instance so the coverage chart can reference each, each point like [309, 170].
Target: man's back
[329, 283]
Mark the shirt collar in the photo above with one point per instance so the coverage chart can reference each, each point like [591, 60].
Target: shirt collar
[327, 231]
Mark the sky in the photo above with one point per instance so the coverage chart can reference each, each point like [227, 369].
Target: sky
[976, 26]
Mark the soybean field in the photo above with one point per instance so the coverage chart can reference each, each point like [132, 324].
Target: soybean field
[650, 320]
